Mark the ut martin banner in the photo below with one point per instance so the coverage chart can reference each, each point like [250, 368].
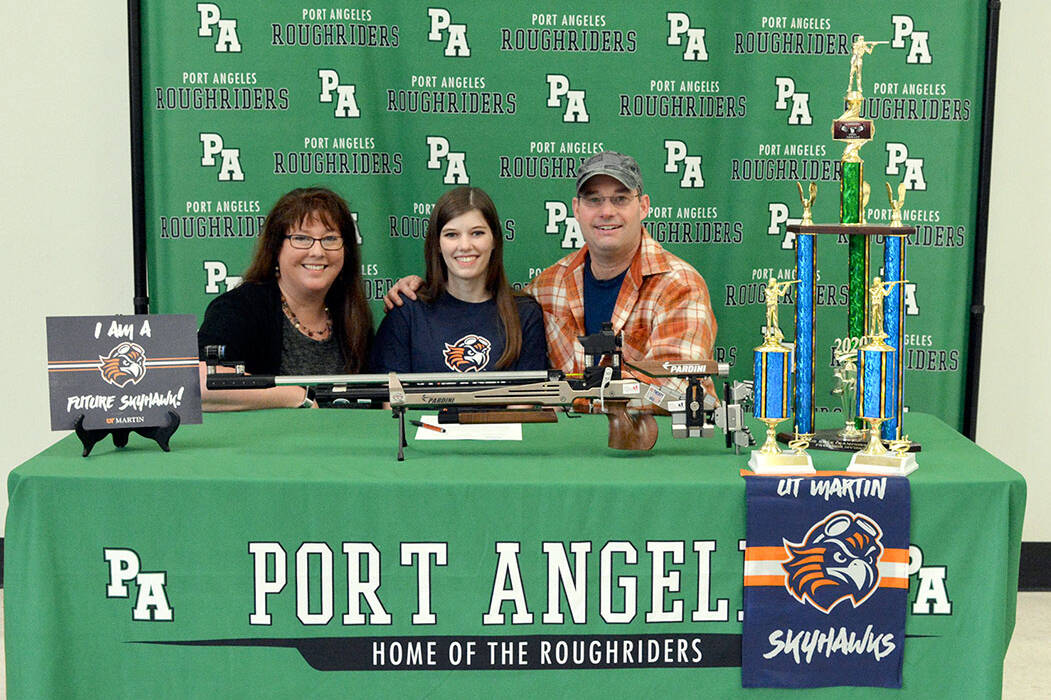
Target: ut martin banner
[825, 581]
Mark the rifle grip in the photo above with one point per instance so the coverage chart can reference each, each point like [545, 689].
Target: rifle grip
[630, 431]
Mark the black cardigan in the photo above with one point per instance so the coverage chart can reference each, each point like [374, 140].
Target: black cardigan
[247, 320]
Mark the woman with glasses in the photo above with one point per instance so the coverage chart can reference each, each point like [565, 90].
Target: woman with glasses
[466, 317]
[301, 307]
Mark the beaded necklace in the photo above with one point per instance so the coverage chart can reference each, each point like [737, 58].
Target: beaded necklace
[315, 335]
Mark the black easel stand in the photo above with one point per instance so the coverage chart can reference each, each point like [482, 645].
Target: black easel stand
[160, 434]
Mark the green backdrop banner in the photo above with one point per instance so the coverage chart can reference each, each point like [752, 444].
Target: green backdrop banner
[724, 106]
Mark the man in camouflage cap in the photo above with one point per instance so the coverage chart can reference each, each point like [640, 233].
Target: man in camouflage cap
[655, 300]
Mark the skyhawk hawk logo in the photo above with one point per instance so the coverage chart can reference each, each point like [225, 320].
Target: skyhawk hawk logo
[836, 561]
[468, 354]
[125, 364]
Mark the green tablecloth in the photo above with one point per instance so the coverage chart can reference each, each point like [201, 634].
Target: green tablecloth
[330, 477]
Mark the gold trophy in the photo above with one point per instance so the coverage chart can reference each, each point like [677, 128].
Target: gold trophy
[874, 406]
[773, 394]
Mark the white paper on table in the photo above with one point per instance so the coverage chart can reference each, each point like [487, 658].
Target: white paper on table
[456, 431]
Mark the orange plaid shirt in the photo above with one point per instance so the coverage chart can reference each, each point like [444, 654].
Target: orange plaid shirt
[663, 311]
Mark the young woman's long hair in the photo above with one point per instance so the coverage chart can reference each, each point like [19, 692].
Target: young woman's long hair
[449, 206]
[351, 318]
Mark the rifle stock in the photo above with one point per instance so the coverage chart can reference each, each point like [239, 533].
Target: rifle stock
[629, 430]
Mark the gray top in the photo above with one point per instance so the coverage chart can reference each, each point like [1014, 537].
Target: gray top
[303, 355]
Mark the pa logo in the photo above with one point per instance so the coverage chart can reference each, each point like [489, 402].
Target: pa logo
[779, 217]
[919, 50]
[151, 598]
[560, 223]
[215, 272]
[468, 354]
[212, 21]
[212, 145]
[125, 364]
[678, 158]
[346, 103]
[898, 157]
[836, 561]
[441, 24]
[790, 99]
[560, 95]
[679, 24]
[439, 151]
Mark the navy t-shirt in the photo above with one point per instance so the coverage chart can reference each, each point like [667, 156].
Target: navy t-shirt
[450, 335]
[600, 298]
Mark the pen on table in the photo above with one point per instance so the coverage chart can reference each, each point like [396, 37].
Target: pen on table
[421, 424]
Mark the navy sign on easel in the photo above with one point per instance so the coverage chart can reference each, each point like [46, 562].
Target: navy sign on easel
[115, 374]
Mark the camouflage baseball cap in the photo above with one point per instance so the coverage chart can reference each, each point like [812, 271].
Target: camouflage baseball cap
[617, 165]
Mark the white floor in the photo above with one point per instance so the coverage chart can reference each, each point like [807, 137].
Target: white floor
[1024, 669]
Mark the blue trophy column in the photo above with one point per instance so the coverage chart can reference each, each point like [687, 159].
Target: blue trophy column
[806, 272]
[894, 327]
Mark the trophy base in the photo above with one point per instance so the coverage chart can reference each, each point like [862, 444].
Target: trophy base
[831, 440]
[784, 463]
[889, 464]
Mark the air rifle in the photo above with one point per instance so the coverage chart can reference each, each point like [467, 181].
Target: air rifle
[529, 397]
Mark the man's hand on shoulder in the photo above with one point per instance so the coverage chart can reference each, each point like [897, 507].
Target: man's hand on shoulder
[405, 287]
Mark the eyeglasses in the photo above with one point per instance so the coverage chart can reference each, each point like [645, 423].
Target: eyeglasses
[619, 201]
[304, 242]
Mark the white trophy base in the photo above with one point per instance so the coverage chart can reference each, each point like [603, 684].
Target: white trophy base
[783, 463]
[889, 464]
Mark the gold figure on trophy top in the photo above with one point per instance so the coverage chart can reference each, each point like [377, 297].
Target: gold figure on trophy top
[808, 203]
[896, 204]
[859, 49]
[875, 334]
[774, 291]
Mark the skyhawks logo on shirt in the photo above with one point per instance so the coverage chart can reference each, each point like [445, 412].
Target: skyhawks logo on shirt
[468, 354]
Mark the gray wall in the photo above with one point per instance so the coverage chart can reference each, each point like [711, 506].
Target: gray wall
[67, 220]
